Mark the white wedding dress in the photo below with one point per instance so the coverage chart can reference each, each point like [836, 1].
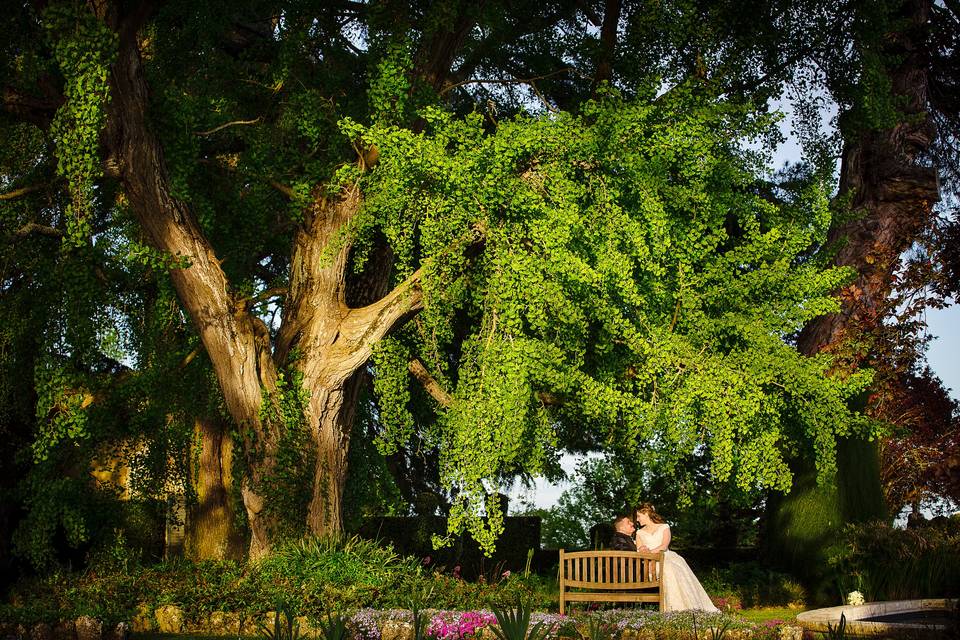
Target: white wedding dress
[681, 589]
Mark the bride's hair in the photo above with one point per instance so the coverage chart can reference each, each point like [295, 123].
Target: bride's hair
[651, 512]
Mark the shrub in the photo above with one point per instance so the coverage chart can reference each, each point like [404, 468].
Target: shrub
[886, 563]
[751, 584]
[311, 577]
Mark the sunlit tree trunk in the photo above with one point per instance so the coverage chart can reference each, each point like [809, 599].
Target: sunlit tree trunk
[211, 531]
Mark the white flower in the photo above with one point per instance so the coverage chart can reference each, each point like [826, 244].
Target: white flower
[855, 598]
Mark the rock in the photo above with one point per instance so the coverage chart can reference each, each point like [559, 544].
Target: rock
[224, 623]
[89, 628]
[121, 631]
[394, 630]
[143, 621]
[169, 619]
[65, 630]
[791, 632]
[41, 631]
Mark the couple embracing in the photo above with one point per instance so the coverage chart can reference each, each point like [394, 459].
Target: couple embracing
[646, 531]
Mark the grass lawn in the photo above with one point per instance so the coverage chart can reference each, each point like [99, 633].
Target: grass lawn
[763, 614]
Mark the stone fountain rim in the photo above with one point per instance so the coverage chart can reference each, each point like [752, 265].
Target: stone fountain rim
[818, 619]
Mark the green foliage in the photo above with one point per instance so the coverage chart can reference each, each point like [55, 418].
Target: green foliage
[287, 491]
[626, 268]
[334, 627]
[57, 397]
[316, 578]
[390, 85]
[886, 563]
[514, 624]
[84, 49]
[370, 489]
[289, 628]
[392, 386]
[751, 584]
[805, 523]
[604, 277]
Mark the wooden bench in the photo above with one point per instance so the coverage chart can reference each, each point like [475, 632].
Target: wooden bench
[611, 576]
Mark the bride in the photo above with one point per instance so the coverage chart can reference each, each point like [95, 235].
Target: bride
[681, 589]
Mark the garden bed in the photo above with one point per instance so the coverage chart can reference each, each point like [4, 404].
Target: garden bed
[397, 624]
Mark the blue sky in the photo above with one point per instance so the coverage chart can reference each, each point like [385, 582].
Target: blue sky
[944, 354]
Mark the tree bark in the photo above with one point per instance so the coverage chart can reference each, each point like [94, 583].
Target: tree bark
[608, 43]
[893, 196]
[210, 530]
[237, 342]
[331, 339]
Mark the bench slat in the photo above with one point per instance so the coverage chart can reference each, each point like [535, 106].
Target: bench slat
[613, 597]
[600, 587]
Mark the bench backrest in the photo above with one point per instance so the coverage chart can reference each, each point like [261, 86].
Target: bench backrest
[610, 570]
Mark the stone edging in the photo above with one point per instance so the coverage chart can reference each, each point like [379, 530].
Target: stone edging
[818, 619]
[83, 628]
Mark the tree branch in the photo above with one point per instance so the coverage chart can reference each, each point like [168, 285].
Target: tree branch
[33, 228]
[608, 43]
[527, 81]
[429, 383]
[232, 123]
[22, 191]
[275, 292]
[282, 188]
[33, 109]
[368, 325]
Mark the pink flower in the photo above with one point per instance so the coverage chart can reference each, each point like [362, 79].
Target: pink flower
[426, 561]
[505, 574]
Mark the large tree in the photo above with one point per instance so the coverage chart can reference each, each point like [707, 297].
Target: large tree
[491, 199]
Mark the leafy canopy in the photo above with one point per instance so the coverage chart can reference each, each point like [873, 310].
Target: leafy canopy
[632, 286]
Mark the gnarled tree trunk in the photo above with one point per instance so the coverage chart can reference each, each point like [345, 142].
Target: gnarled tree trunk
[333, 340]
[892, 196]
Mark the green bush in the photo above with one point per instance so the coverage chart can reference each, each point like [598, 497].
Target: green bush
[311, 577]
[751, 584]
[885, 563]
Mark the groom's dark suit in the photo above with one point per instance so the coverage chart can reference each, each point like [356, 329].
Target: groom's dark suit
[622, 542]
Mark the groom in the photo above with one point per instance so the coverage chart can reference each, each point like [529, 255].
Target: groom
[624, 529]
